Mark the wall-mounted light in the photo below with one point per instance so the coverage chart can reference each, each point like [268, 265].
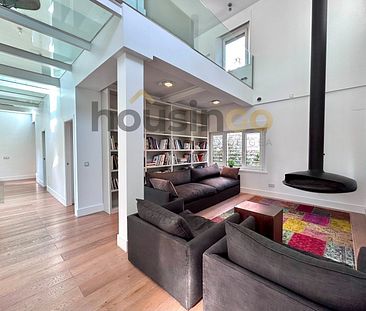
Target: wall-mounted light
[215, 102]
[167, 84]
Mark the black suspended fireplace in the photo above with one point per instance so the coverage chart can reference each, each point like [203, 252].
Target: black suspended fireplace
[315, 179]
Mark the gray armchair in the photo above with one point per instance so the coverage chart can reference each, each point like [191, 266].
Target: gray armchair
[245, 271]
[172, 262]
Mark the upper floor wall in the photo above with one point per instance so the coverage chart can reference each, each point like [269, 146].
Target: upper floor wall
[280, 41]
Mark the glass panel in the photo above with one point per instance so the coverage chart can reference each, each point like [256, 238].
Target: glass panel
[28, 65]
[253, 150]
[217, 149]
[82, 18]
[37, 43]
[234, 148]
[195, 24]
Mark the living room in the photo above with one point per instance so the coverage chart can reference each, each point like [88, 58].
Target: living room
[201, 155]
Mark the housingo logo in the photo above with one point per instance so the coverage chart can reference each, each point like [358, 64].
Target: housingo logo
[235, 119]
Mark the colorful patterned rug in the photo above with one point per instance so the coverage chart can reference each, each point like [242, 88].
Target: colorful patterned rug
[312, 229]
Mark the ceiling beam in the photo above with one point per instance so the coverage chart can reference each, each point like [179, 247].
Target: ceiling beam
[34, 57]
[184, 94]
[28, 75]
[14, 109]
[20, 97]
[18, 103]
[31, 23]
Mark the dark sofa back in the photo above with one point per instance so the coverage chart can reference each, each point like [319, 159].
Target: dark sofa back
[177, 178]
[204, 173]
[323, 281]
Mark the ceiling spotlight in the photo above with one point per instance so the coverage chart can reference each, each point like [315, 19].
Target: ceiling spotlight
[230, 6]
[215, 102]
[167, 84]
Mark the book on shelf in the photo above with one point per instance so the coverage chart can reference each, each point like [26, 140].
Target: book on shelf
[114, 162]
[154, 144]
[160, 160]
[199, 157]
[114, 144]
[182, 145]
[201, 145]
[114, 183]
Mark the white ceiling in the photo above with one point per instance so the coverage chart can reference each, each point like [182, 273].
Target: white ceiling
[187, 87]
[220, 8]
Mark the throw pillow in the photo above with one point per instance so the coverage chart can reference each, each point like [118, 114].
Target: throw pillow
[164, 185]
[230, 172]
[164, 219]
[337, 286]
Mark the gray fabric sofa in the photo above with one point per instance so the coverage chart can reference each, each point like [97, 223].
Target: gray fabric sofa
[173, 262]
[200, 188]
[246, 271]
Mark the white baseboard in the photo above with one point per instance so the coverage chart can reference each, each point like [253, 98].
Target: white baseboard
[122, 243]
[88, 210]
[40, 182]
[342, 206]
[19, 177]
[57, 196]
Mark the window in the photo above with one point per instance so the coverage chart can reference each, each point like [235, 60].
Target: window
[235, 48]
[245, 148]
[217, 148]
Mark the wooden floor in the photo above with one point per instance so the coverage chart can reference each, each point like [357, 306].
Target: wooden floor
[51, 260]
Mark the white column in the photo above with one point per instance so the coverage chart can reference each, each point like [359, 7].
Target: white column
[130, 86]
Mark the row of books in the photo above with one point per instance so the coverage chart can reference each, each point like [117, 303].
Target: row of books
[162, 159]
[181, 145]
[201, 145]
[199, 157]
[114, 161]
[114, 183]
[114, 143]
[167, 143]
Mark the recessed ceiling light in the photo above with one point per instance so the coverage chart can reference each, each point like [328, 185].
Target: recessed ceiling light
[167, 84]
[215, 102]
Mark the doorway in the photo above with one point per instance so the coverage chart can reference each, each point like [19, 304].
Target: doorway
[69, 162]
[44, 166]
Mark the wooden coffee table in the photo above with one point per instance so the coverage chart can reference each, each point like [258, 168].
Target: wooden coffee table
[268, 219]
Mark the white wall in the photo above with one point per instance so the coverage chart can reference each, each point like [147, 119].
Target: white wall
[17, 146]
[280, 41]
[89, 155]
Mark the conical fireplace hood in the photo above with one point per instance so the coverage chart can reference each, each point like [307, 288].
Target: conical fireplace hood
[315, 179]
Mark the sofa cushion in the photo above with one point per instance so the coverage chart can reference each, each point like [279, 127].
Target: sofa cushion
[164, 219]
[177, 177]
[194, 191]
[196, 223]
[328, 283]
[220, 183]
[230, 172]
[164, 185]
[206, 172]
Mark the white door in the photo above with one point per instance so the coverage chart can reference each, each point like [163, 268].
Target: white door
[69, 163]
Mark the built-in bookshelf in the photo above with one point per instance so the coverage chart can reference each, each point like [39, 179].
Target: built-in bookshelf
[110, 150]
[176, 137]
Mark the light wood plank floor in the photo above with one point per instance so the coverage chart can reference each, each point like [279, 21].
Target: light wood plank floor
[51, 260]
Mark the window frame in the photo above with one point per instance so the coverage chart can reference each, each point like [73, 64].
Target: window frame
[242, 30]
[261, 131]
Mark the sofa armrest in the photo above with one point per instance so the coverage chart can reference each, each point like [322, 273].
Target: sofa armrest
[156, 196]
[176, 206]
[361, 259]
[160, 255]
[196, 248]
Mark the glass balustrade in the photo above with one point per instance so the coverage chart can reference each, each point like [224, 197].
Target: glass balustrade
[196, 25]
